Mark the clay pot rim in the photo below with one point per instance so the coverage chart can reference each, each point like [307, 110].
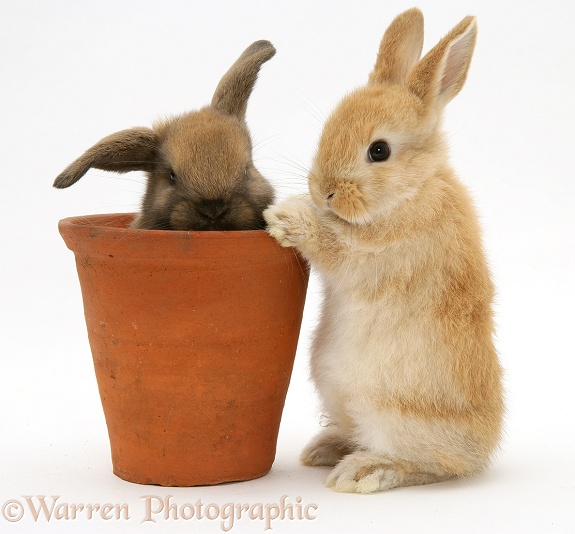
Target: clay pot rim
[109, 236]
[116, 223]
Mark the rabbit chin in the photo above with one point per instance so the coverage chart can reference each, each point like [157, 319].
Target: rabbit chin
[351, 205]
[356, 215]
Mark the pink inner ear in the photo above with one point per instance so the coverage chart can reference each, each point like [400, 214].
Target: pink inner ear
[456, 63]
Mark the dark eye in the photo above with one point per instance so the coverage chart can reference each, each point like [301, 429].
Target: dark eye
[173, 177]
[378, 151]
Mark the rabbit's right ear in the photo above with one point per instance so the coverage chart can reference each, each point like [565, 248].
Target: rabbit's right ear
[232, 93]
[128, 150]
[400, 48]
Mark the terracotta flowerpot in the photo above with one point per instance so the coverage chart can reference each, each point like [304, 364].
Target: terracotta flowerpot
[193, 336]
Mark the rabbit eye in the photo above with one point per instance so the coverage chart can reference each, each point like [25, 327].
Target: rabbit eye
[173, 177]
[378, 151]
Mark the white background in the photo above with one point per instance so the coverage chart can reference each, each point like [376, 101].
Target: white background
[72, 72]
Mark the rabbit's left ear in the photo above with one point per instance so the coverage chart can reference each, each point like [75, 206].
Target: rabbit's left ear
[400, 48]
[441, 74]
[232, 93]
[127, 150]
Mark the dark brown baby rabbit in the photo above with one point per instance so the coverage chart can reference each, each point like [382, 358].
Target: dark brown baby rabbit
[199, 164]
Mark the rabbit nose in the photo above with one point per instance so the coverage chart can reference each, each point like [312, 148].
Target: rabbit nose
[212, 210]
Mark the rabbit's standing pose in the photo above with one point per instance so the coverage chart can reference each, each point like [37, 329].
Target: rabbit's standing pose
[403, 357]
[199, 164]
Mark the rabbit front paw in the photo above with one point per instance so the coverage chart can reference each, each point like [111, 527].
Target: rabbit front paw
[289, 222]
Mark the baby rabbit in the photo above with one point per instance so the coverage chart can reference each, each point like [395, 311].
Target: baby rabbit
[403, 357]
[199, 165]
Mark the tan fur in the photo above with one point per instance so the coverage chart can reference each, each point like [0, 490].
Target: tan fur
[208, 152]
[400, 48]
[403, 356]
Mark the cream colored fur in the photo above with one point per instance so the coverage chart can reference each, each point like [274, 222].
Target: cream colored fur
[403, 357]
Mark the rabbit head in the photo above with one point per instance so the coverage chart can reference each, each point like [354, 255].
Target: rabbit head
[199, 165]
[383, 140]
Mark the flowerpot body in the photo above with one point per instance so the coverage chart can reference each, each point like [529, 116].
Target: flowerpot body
[193, 336]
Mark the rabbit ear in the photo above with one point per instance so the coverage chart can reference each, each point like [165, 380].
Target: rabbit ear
[232, 93]
[400, 48]
[128, 150]
[440, 75]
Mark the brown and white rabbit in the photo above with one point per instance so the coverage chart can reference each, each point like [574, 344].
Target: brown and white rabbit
[403, 357]
[199, 165]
